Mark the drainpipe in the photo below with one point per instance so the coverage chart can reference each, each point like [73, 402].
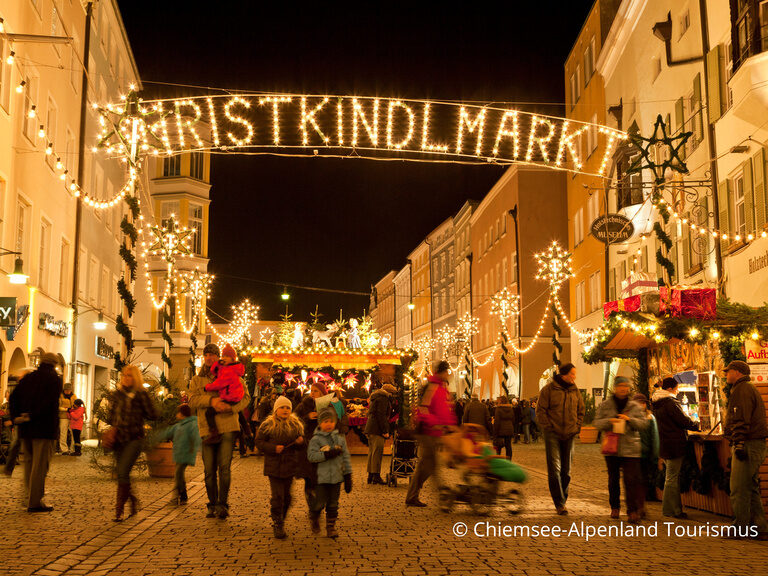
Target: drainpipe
[518, 263]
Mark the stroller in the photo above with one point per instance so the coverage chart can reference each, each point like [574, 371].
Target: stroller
[473, 474]
[403, 457]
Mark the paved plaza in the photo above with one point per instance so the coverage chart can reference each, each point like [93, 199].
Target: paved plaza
[379, 535]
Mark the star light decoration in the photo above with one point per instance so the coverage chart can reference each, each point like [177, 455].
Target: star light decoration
[466, 327]
[350, 380]
[197, 287]
[504, 304]
[169, 241]
[648, 146]
[554, 266]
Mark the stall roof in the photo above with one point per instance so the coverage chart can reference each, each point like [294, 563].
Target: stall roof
[625, 340]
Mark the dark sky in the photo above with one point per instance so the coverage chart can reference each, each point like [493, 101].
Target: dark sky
[343, 223]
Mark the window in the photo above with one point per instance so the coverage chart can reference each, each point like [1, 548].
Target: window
[104, 292]
[69, 152]
[170, 208]
[172, 166]
[74, 63]
[589, 61]
[29, 121]
[50, 129]
[22, 225]
[573, 90]
[196, 164]
[108, 215]
[630, 186]
[685, 22]
[504, 278]
[97, 184]
[593, 209]
[592, 136]
[739, 214]
[578, 226]
[514, 268]
[580, 301]
[93, 280]
[5, 76]
[595, 301]
[64, 272]
[116, 303]
[83, 272]
[728, 74]
[44, 255]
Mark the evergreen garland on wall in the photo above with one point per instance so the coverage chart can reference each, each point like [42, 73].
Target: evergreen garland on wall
[666, 241]
[130, 236]
[166, 318]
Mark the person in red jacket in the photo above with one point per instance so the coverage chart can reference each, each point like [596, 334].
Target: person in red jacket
[435, 412]
[76, 418]
[228, 374]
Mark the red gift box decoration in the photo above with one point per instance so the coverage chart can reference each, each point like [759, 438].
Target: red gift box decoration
[698, 303]
[631, 304]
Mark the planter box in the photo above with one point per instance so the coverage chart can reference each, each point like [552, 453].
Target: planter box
[588, 435]
[160, 461]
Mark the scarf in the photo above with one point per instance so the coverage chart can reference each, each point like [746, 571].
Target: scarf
[621, 403]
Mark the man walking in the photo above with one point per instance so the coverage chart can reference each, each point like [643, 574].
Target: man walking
[560, 412]
[746, 430]
[34, 404]
[217, 457]
[477, 413]
[377, 429]
[673, 437]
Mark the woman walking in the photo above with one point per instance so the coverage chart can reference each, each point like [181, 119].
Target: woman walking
[503, 426]
[129, 407]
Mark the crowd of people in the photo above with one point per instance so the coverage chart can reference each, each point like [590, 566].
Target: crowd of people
[303, 436]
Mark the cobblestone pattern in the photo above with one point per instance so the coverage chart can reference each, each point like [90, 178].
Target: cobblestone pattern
[379, 535]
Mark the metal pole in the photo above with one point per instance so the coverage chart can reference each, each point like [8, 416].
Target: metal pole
[79, 200]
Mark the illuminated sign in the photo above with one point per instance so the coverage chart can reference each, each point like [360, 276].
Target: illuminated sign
[104, 350]
[350, 126]
[757, 351]
[7, 312]
[50, 324]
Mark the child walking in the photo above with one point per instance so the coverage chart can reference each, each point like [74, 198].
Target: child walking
[76, 419]
[329, 450]
[228, 383]
[186, 443]
[279, 437]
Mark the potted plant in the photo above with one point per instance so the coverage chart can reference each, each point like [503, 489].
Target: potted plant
[159, 455]
[588, 433]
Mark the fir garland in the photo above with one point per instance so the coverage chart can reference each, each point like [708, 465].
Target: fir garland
[642, 373]
[504, 361]
[128, 257]
[192, 350]
[126, 296]
[166, 319]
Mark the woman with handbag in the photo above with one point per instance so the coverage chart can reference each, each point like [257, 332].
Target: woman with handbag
[129, 406]
[621, 420]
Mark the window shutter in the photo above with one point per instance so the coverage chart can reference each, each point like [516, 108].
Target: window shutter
[758, 179]
[696, 92]
[672, 255]
[680, 122]
[714, 84]
[686, 249]
[723, 198]
[749, 198]
[705, 237]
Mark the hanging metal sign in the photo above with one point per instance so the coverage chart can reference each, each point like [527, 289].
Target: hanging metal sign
[612, 228]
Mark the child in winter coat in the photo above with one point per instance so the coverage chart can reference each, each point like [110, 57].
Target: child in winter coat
[334, 466]
[186, 443]
[76, 418]
[279, 438]
[228, 373]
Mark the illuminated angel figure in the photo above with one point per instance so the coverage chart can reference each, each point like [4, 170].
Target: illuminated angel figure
[298, 336]
[353, 338]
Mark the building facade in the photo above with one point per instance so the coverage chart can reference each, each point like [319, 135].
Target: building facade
[421, 296]
[403, 307]
[462, 262]
[384, 296]
[443, 275]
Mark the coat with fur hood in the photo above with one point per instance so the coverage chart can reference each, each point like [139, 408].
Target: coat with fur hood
[273, 433]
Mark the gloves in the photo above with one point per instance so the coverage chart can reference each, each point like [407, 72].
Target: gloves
[740, 452]
[332, 453]
[348, 483]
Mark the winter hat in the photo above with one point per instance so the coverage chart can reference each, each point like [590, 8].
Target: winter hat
[49, 358]
[211, 348]
[320, 386]
[229, 352]
[389, 389]
[280, 402]
[327, 414]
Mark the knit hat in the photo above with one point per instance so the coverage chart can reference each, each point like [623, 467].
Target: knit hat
[327, 414]
[620, 380]
[49, 358]
[229, 352]
[320, 386]
[280, 402]
[389, 389]
[211, 348]
[739, 366]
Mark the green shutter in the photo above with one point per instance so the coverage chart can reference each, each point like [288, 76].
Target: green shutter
[749, 198]
[696, 92]
[686, 248]
[714, 84]
[680, 123]
[758, 179]
[705, 237]
[723, 198]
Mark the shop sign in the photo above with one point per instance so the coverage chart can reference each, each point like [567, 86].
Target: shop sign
[104, 350]
[757, 351]
[7, 312]
[758, 262]
[50, 324]
[612, 228]
[759, 374]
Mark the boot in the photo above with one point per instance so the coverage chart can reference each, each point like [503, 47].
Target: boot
[279, 531]
[134, 502]
[122, 498]
[330, 527]
[377, 479]
[370, 478]
[314, 522]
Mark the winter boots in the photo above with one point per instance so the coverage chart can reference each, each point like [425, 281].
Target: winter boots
[376, 479]
[314, 522]
[330, 527]
[123, 490]
[279, 531]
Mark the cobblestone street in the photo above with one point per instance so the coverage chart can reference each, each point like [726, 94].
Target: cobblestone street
[378, 534]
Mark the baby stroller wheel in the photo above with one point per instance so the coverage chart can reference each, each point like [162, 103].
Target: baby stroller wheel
[481, 500]
[512, 500]
[392, 480]
[445, 499]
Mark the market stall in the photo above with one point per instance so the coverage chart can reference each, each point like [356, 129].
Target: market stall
[693, 345]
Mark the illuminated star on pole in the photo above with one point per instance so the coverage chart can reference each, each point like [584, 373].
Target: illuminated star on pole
[647, 146]
[554, 266]
[170, 241]
[504, 304]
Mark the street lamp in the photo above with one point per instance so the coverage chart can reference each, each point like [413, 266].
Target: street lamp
[411, 305]
[17, 276]
[285, 295]
[100, 323]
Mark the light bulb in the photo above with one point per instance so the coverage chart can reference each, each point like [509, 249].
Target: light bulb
[10, 58]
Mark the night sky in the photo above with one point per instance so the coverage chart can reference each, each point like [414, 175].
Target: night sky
[341, 224]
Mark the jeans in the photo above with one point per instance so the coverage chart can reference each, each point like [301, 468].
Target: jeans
[375, 453]
[507, 446]
[280, 500]
[527, 433]
[180, 482]
[63, 435]
[671, 504]
[559, 455]
[125, 457]
[76, 445]
[426, 467]
[327, 498]
[745, 486]
[217, 461]
[631, 468]
[38, 453]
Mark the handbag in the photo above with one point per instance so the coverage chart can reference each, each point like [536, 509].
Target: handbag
[610, 445]
[109, 438]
